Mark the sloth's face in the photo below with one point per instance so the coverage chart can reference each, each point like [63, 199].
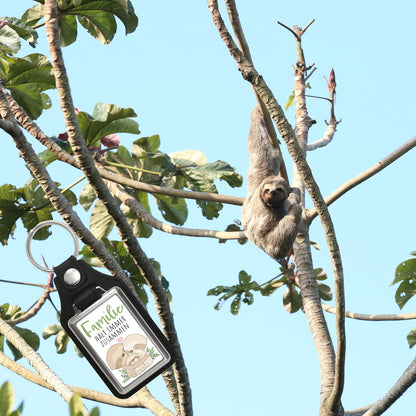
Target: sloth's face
[274, 194]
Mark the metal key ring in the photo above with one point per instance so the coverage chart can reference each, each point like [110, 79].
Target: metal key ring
[46, 224]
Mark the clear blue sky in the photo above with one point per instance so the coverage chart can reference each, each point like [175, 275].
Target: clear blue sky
[178, 76]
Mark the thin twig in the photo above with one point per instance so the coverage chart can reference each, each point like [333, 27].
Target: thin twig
[403, 383]
[352, 183]
[372, 317]
[148, 218]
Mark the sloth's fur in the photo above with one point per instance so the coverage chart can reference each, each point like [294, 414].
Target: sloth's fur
[271, 212]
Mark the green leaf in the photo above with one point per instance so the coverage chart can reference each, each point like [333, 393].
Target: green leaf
[216, 290]
[47, 157]
[61, 342]
[101, 223]
[68, 29]
[290, 101]
[411, 338]
[145, 145]
[33, 15]
[244, 278]
[406, 274]
[87, 197]
[235, 305]
[30, 337]
[106, 119]
[219, 170]
[405, 291]
[325, 292]
[26, 79]
[9, 41]
[97, 16]
[405, 270]
[23, 29]
[320, 274]
[6, 399]
[75, 406]
[188, 158]
[51, 330]
[291, 299]
[95, 411]
[18, 411]
[10, 211]
[100, 25]
[173, 209]
[139, 227]
[248, 298]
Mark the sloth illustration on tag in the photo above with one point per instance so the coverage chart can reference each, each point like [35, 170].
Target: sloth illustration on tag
[107, 323]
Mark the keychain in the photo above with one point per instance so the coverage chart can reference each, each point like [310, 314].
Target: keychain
[107, 323]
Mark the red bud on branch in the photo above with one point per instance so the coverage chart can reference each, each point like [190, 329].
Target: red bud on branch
[331, 83]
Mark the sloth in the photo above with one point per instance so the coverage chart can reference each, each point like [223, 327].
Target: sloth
[271, 213]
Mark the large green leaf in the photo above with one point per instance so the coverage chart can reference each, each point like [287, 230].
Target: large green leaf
[23, 29]
[9, 41]
[6, 399]
[406, 275]
[173, 209]
[68, 29]
[219, 170]
[119, 252]
[101, 222]
[33, 15]
[106, 119]
[188, 158]
[96, 16]
[10, 210]
[202, 177]
[291, 299]
[26, 79]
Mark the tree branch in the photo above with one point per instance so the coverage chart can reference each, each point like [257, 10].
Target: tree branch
[352, 183]
[148, 218]
[326, 138]
[241, 39]
[35, 309]
[403, 383]
[372, 317]
[142, 399]
[31, 127]
[250, 74]
[59, 202]
[182, 389]
[36, 361]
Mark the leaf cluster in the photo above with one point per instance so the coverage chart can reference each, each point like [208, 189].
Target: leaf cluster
[119, 252]
[27, 203]
[61, 338]
[244, 290]
[147, 163]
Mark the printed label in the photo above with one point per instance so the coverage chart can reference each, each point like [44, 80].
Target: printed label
[121, 342]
